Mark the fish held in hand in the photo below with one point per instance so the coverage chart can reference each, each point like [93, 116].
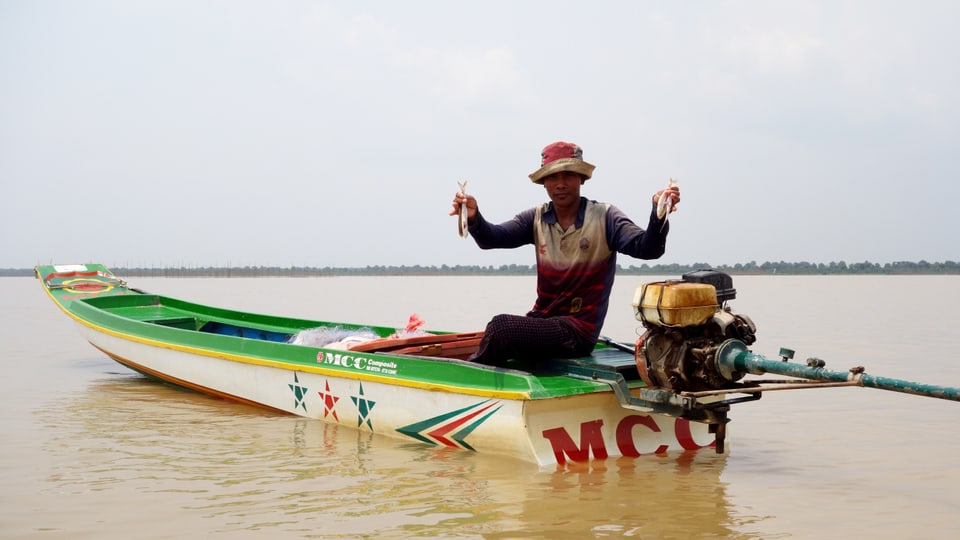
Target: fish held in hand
[462, 221]
[665, 204]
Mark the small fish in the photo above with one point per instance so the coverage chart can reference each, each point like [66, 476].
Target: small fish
[665, 204]
[462, 222]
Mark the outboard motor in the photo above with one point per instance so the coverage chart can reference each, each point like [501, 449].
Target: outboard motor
[686, 321]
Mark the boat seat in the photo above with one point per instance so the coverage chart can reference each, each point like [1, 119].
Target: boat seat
[185, 323]
[157, 314]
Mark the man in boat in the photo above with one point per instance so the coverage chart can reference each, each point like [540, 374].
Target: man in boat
[577, 243]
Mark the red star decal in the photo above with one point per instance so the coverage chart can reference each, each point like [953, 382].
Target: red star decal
[329, 400]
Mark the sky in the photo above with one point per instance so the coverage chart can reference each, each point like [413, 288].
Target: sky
[333, 134]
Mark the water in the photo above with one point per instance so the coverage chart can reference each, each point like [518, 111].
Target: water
[92, 450]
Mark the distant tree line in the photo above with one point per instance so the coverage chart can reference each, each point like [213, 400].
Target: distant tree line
[750, 268]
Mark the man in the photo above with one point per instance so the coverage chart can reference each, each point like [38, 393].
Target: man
[576, 241]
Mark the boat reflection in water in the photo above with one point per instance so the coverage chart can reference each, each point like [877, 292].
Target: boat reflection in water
[144, 454]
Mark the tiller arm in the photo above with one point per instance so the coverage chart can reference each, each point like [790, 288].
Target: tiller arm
[734, 360]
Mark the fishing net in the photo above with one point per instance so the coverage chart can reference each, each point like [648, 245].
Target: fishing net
[337, 337]
[325, 336]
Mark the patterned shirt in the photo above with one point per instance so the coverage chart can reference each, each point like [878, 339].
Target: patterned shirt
[576, 267]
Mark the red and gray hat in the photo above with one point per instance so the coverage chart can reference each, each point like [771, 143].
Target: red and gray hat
[561, 156]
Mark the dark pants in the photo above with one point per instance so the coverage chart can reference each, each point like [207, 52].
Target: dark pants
[529, 338]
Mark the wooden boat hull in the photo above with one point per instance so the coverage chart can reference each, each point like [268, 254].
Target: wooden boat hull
[437, 400]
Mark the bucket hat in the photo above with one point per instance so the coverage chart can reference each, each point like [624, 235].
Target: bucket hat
[561, 156]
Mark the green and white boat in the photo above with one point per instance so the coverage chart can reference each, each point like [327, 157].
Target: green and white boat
[420, 387]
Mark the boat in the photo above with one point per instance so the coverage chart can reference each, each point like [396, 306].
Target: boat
[669, 392]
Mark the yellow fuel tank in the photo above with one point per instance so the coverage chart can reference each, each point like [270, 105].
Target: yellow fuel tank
[675, 303]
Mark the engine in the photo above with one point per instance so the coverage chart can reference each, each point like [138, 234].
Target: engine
[686, 321]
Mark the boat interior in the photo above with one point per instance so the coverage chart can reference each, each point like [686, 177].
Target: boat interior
[173, 313]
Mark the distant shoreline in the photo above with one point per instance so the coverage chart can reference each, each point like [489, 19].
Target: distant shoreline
[751, 268]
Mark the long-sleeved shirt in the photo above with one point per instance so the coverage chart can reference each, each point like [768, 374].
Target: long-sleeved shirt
[576, 267]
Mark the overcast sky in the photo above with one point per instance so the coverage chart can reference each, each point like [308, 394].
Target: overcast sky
[312, 133]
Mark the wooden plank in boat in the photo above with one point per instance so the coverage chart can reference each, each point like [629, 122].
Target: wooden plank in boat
[393, 344]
